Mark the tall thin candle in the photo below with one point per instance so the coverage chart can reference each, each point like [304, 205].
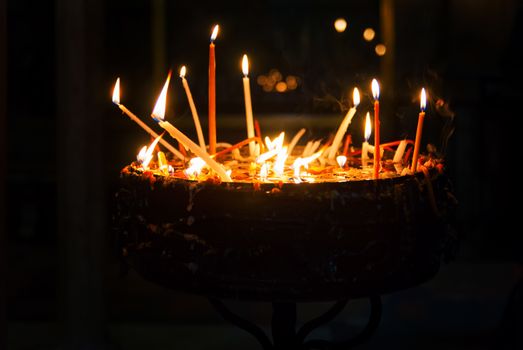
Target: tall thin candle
[377, 153]
[421, 117]
[133, 117]
[199, 132]
[248, 103]
[212, 92]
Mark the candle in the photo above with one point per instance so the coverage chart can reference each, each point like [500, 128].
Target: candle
[158, 114]
[342, 129]
[421, 117]
[133, 117]
[162, 163]
[377, 153]
[365, 144]
[348, 141]
[295, 140]
[199, 132]
[399, 151]
[248, 103]
[212, 92]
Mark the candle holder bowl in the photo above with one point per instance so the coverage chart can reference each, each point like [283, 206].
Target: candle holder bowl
[285, 244]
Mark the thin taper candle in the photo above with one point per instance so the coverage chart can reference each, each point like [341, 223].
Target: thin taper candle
[194, 112]
[212, 92]
[419, 131]
[377, 153]
[344, 125]
[248, 103]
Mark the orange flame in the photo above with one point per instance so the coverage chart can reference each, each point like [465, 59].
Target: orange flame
[356, 97]
[341, 160]
[116, 92]
[423, 99]
[183, 70]
[146, 153]
[375, 89]
[215, 32]
[245, 65]
[368, 127]
[195, 167]
[159, 108]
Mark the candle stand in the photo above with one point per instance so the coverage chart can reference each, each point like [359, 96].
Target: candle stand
[284, 333]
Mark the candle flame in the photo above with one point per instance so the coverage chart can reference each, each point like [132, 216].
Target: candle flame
[116, 92]
[368, 127]
[304, 162]
[277, 143]
[375, 89]
[262, 158]
[279, 163]
[215, 32]
[341, 160]
[195, 167]
[146, 153]
[423, 99]
[159, 108]
[245, 65]
[183, 70]
[356, 97]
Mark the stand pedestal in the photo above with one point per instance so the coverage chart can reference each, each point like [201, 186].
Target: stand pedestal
[284, 334]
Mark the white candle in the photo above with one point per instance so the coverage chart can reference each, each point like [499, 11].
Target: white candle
[199, 131]
[159, 114]
[248, 103]
[295, 140]
[342, 129]
[133, 117]
[399, 151]
[365, 145]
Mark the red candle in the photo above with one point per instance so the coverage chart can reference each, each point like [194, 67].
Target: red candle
[212, 92]
[421, 117]
[377, 153]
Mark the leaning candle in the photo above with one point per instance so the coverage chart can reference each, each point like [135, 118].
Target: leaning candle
[212, 92]
[158, 114]
[133, 117]
[365, 144]
[421, 117]
[199, 132]
[399, 151]
[342, 129]
[377, 153]
[248, 103]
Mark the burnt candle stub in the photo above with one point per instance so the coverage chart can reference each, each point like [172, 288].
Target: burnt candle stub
[283, 241]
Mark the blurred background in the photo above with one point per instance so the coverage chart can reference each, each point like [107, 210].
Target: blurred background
[63, 143]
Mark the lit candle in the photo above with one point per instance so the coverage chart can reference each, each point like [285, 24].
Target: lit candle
[212, 92]
[133, 117]
[421, 117]
[365, 144]
[199, 132]
[248, 103]
[158, 114]
[377, 153]
[342, 129]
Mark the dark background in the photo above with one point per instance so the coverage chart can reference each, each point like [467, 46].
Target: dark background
[63, 143]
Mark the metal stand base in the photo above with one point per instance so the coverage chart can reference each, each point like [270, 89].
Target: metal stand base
[284, 335]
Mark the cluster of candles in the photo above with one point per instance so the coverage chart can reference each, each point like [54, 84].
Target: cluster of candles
[275, 149]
